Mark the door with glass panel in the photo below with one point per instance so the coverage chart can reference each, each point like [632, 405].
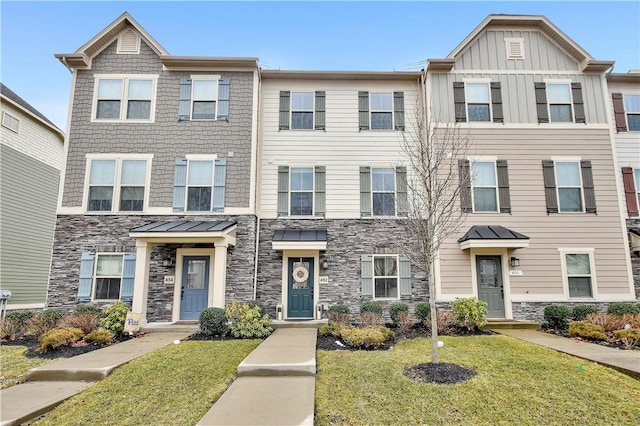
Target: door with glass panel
[300, 291]
[195, 286]
[490, 284]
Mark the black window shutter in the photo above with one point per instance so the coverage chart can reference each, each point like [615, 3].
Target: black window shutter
[365, 191]
[320, 207]
[630, 191]
[320, 108]
[587, 185]
[503, 186]
[548, 173]
[541, 102]
[578, 103]
[283, 190]
[398, 110]
[464, 173]
[363, 110]
[223, 98]
[401, 191]
[496, 102]
[184, 109]
[284, 110]
[459, 102]
[618, 111]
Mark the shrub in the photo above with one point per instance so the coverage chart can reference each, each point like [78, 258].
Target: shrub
[87, 308]
[620, 308]
[580, 312]
[557, 316]
[470, 312]
[423, 312]
[608, 322]
[629, 337]
[246, 322]
[114, 317]
[368, 319]
[368, 337]
[54, 339]
[405, 323]
[633, 320]
[339, 313]
[254, 303]
[396, 309]
[99, 337]
[446, 321]
[20, 316]
[587, 330]
[52, 315]
[332, 330]
[43, 322]
[214, 322]
[87, 322]
[371, 306]
[10, 329]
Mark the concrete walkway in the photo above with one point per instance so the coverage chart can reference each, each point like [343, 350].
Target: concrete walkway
[49, 385]
[275, 384]
[627, 362]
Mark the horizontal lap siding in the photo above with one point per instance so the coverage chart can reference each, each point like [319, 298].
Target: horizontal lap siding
[342, 148]
[540, 262]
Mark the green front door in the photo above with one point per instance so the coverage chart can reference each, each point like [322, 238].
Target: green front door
[490, 284]
[300, 289]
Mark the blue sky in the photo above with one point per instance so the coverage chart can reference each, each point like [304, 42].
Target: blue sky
[326, 35]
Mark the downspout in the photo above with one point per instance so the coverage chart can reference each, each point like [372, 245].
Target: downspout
[257, 110]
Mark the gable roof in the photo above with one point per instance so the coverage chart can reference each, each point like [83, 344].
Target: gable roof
[586, 61]
[11, 96]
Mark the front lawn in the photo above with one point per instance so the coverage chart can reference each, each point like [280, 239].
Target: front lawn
[517, 383]
[14, 365]
[175, 385]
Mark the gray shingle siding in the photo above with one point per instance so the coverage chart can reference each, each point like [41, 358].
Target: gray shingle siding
[166, 138]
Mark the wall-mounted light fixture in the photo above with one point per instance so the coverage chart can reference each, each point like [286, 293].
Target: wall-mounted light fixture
[325, 264]
[515, 262]
[167, 262]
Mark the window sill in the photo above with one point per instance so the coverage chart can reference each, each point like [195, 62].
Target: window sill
[302, 217]
[102, 120]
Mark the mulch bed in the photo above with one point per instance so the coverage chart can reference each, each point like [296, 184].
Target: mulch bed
[79, 348]
[616, 344]
[441, 373]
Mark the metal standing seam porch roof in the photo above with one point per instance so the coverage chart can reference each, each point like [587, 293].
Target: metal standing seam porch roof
[186, 229]
[492, 236]
[301, 239]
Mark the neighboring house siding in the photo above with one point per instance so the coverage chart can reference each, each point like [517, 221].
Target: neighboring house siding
[518, 95]
[27, 217]
[166, 138]
[341, 147]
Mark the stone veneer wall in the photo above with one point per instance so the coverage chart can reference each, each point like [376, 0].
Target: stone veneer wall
[98, 233]
[347, 240]
[635, 259]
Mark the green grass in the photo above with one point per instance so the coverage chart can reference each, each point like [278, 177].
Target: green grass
[518, 383]
[175, 385]
[14, 365]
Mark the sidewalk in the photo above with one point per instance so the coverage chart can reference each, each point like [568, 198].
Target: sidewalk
[51, 384]
[628, 362]
[275, 384]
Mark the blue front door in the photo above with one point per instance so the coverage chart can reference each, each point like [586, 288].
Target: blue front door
[195, 286]
[300, 291]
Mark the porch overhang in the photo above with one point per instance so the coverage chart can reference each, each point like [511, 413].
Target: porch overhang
[299, 239]
[492, 236]
[186, 231]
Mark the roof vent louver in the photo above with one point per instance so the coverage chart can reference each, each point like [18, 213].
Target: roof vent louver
[515, 48]
[129, 42]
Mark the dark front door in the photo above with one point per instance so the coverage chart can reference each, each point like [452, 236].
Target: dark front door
[490, 284]
[195, 286]
[300, 298]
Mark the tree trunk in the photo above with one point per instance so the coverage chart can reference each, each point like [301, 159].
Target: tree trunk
[434, 320]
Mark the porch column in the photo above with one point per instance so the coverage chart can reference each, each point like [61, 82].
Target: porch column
[141, 281]
[220, 273]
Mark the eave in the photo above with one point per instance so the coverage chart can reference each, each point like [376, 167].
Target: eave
[340, 75]
[25, 111]
[629, 77]
[196, 63]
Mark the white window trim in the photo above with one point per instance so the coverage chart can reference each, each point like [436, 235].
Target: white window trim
[123, 110]
[115, 202]
[555, 176]
[11, 120]
[486, 81]
[395, 192]
[374, 276]
[313, 191]
[565, 278]
[204, 77]
[520, 41]
[371, 111]
[547, 82]
[95, 277]
[626, 113]
[291, 110]
[495, 174]
[199, 157]
[119, 50]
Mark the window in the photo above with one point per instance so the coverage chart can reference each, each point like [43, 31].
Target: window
[485, 189]
[632, 108]
[559, 102]
[199, 185]
[125, 98]
[383, 192]
[478, 101]
[379, 111]
[579, 276]
[302, 110]
[108, 276]
[385, 277]
[204, 98]
[10, 122]
[117, 184]
[569, 186]
[559, 97]
[301, 191]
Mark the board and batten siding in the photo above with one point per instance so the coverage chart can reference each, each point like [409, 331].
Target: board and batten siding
[342, 148]
[524, 151]
[29, 193]
[518, 95]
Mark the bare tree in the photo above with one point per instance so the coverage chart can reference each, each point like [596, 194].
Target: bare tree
[434, 188]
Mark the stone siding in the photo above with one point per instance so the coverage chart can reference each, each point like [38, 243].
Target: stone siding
[77, 234]
[635, 259]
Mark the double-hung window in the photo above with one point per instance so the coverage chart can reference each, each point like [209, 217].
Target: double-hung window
[559, 102]
[579, 274]
[204, 98]
[385, 277]
[381, 110]
[301, 191]
[108, 276]
[569, 186]
[200, 185]
[383, 191]
[485, 188]
[478, 100]
[117, 184]
[302, 110]
[125, 98]
[632, 108]
[559, 98]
